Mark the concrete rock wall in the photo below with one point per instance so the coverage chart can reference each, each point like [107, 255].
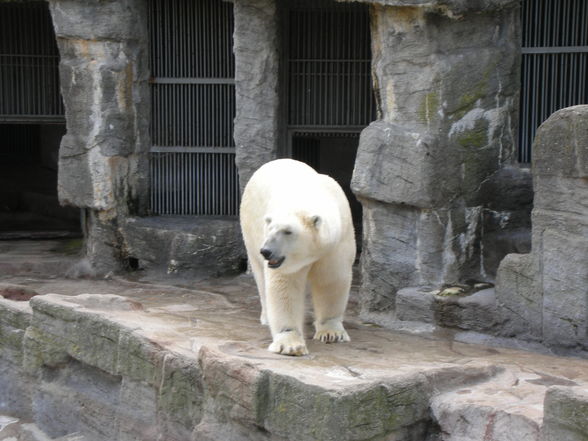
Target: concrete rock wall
[544, 295]
[103, 159]
[447, 89]
[256, 48]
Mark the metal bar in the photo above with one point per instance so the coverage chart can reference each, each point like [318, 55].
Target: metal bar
[330, 128]
[183, 149]
[554, 50]
[25, 119]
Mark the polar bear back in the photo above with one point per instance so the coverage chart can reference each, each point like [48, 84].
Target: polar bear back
[286, 185]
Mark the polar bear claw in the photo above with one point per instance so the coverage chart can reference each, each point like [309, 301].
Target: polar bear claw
[331, 331]
[288, 343]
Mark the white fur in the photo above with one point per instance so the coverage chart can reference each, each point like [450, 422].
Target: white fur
[303, 216]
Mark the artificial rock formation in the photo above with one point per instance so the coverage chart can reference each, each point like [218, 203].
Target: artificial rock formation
[544, 295]
[446, 76]
[103, 159]
[256, 47]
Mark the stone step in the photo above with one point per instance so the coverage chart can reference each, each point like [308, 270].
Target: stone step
[519, 406]
[14, 429]
[506, 408]
[449, 308]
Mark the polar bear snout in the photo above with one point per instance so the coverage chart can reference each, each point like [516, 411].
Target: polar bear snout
[273, 261]
[267, 254]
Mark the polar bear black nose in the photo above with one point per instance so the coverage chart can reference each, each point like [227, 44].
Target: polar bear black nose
[265, 253]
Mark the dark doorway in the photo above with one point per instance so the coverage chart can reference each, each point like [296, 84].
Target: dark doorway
[32, 124]
[333, 154]
[327, 96]
[29, 207]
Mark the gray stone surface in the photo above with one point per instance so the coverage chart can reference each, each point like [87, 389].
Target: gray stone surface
[520, 303]
[558, 291]
[506, 408]
[447, 96]
[566, 414]
[166, 362]
[476, 312]
[416, 305]
[103, 158]
[186, 244]
[103, 69]
[256, 48]
[507, 197]
[449, 7]
[560, 147]
[472, 312]
[560, 224]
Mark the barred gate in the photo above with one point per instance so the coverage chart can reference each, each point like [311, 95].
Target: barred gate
[554, 63]
[327, 96]
[327, 64]
[29, 59]
[192, 160]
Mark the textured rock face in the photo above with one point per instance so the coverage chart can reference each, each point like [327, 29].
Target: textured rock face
[505, 224]
[448, 6]
[475, 312]
[566, 411]
[560, 225]
[256, 77]
[103, 163]
[447, 93]
[186, 245]
[521, 309]
[104, 77]
[545, 293]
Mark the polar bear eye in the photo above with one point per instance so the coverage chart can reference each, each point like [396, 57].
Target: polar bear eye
[287, 232]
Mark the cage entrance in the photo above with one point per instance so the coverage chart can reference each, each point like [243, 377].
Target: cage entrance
[333, 154]
[326, 86]
[32, 124]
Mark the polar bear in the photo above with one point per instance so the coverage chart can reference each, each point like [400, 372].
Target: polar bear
[297, 228]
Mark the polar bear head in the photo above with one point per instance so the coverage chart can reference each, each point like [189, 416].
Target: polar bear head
[293, 241]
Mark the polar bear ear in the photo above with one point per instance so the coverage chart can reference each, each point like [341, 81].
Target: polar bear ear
[268, 220]
[315, 220]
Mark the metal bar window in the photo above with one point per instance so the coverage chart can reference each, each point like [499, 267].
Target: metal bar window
[328, 58]
[29, 59]
[554, 70]
[193, 107]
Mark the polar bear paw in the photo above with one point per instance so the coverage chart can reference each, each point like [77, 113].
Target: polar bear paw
[288, 343]
[331, 331]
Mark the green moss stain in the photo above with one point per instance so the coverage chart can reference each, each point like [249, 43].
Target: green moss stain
[69, 247]
[428, 108]
[468, 100]
[476, 137]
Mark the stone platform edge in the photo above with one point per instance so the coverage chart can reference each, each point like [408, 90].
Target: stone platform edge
[85, 364]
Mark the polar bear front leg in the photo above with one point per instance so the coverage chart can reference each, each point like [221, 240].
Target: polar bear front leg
[285, 311]
[329, 298]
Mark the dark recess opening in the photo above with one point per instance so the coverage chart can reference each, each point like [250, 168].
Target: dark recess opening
[32, 124]
[29, 207]
[327, 96]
